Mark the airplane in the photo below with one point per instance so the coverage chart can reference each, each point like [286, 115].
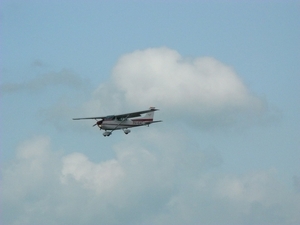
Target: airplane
[111, 123]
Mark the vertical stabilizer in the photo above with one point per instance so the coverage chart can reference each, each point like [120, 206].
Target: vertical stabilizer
[149, 115]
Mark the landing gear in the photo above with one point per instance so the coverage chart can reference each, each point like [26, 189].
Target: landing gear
[126, 131]
[106, 133]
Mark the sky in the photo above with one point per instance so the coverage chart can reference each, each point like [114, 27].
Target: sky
[224, 76]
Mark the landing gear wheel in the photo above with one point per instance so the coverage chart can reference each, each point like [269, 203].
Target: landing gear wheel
[126, 131]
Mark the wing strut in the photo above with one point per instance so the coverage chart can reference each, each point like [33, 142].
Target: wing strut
[119, 124]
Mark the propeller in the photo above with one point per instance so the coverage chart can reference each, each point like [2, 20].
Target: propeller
[98, 123]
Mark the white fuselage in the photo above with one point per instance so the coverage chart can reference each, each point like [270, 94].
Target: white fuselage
[115, 124]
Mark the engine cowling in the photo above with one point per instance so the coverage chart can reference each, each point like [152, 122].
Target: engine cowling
[98, 123]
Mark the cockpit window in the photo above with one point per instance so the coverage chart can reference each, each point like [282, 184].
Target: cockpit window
[112, 117]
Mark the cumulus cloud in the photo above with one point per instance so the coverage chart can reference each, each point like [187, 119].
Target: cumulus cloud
[203, 89]
[146, 182]
[161, 178]
[64, 77]
[97, 177]
[29, 181]
[200, 91]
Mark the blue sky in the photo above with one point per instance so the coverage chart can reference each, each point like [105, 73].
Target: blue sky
[224, 74]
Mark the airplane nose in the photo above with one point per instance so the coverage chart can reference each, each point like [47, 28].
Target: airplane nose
[98, 123]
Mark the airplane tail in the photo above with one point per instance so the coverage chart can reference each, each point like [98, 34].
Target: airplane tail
[149, 116]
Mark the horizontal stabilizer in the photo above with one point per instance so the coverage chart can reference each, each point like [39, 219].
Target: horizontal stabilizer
[157, 121]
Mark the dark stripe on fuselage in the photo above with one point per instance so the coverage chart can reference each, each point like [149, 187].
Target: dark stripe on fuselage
[142, 120]
[120, 126]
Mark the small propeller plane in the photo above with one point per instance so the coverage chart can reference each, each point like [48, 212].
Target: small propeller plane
[123, 121]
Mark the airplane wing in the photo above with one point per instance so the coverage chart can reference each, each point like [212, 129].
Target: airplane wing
[89, 118]
[125, 115]
[135, 114]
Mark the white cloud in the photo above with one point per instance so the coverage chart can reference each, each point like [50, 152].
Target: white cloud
[98, 177]
[201, 89]
[29, 181]
[28, 168]
[64, 77]
[162, 181]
